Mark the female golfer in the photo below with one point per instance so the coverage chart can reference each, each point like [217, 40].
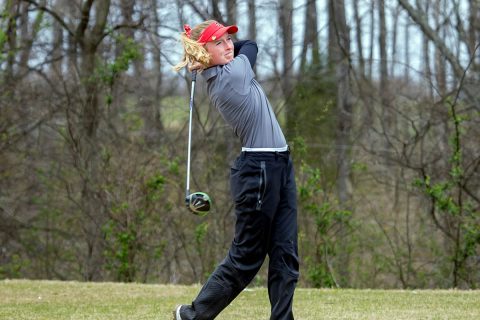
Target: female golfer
[261, 179]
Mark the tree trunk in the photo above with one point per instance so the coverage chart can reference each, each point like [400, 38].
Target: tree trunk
[12, 8]
[440, 62]
[285, 23]
[89, 153]
[339, 46]
[216, 14]
[384, 90]
[57, 52]
[252, 20]
[474, 35]
[427, 64]
[358, 34]
[406, 49]
[285, 16]
[231, 11]
[393, 59]
[372, 40]
[158, 83]
[310, 39]
[29, 34]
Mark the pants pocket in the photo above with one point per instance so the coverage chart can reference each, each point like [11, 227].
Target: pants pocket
[249, 185]
[262, 185]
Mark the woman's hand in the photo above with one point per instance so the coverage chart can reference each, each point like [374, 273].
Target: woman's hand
[195, 66]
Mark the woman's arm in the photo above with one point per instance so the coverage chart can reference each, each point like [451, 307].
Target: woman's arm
[248, 48]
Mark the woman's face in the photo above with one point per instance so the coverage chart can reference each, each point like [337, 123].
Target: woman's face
[221, 50]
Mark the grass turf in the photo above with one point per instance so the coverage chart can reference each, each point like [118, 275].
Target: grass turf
[25, 299]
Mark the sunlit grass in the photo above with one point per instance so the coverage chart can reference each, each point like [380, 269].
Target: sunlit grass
[24, 299]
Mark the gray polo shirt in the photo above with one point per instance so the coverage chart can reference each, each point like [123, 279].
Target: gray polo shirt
[243, 104]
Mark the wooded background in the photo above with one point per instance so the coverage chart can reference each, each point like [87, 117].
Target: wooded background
[379, 101]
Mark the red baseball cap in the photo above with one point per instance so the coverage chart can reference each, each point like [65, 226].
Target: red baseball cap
[214, 31]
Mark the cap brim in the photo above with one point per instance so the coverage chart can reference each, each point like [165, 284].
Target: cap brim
[220, 32]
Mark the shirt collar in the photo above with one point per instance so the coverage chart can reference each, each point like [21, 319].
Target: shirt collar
[210, 72]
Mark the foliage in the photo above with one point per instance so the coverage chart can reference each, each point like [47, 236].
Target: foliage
[13, 268]
[4, 20]
[3, 39]
[327, 220]
[109, 72]
[452, 212]
[313, 115]
[130, 234]
[93, 131]
[121, 251]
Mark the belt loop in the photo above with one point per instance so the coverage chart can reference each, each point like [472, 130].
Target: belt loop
[276, 155]
[243, 154]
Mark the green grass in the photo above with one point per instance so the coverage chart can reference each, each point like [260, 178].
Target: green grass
[24, 299]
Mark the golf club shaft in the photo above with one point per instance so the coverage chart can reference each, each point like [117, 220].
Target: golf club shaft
[192, 93]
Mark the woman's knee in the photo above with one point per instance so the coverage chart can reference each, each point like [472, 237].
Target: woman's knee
[284, 257]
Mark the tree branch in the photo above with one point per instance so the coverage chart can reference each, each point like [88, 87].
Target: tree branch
[51, 13]
[419, 18]
[200, 12]
[85, 16]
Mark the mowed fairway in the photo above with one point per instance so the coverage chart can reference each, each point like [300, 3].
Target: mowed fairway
[24, 299]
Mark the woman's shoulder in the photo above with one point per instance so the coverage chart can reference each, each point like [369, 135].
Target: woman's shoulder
[238, 67]
[236, 76]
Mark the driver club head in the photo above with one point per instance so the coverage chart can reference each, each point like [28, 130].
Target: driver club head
[198, 203]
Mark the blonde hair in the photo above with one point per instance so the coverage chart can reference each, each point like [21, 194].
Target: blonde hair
[192, 50]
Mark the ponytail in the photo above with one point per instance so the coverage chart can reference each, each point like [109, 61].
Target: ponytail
[192, 50]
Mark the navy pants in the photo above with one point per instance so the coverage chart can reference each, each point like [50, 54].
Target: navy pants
[264, 191]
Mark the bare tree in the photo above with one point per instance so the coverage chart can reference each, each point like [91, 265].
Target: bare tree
[359, 40]
[372, 39]
[406, 49]
[440, 62]
[419, 17]
[231, 6]
[310, 38]
[384, 76]
[28, 34]
[395, 16]
[58, 52]
[339, 46]
[285, 22]
[252, 20]
[12, 9]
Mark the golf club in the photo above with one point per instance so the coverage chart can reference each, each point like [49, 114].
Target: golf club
[198, 202]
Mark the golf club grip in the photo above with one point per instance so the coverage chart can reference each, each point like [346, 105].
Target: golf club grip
[192, 94]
